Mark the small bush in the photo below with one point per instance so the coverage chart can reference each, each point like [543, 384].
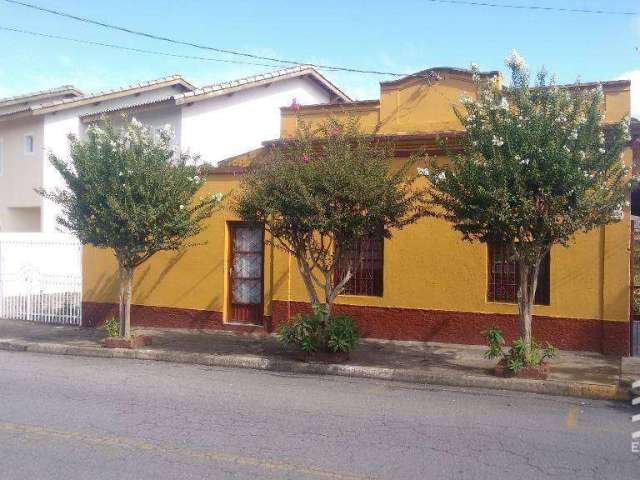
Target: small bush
[517, 357]
[495, 340]
[342, 334]
[112, 326]
[305, 333]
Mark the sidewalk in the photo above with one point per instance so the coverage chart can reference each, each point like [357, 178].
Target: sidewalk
[580, 374]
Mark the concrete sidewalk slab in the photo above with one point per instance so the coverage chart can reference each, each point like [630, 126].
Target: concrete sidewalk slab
[579, 374]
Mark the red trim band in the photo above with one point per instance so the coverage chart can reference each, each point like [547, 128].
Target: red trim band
[396, 324]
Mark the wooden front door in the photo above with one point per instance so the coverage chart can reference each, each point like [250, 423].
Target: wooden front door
[246, 273]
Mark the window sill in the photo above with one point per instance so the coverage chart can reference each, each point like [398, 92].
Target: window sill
[515, 304]
[347, 295]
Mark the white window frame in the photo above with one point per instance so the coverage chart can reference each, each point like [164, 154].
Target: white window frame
[33, 143]
[1, 156]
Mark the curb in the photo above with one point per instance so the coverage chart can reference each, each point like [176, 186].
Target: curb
[546, 387]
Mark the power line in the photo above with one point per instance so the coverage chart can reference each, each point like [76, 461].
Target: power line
[132, 49]
[196, 45]
[534, 7]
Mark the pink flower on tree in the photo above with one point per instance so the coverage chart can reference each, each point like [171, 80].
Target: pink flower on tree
[295, 106]
[305, 158]
[335, 131]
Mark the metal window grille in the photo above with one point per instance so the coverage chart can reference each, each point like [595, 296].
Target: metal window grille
[504, 277]
[367, 267]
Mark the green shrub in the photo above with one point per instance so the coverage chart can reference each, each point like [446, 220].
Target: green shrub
[495, 340]
[342, 334]
[302, 331]
[517, 357]
[306, 333]
[112, 326]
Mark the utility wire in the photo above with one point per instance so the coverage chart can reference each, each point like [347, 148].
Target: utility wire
[132, 49]
[196, 45]
[157, 52]
[533, 7]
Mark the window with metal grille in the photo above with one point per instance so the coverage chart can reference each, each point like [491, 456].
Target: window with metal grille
[367, 268]
[504, 277]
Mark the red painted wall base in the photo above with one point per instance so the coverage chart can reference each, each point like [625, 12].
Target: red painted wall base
[397, 324]
[467, 327]
[94, 315]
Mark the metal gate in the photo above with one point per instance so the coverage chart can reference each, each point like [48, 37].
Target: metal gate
[41, 278]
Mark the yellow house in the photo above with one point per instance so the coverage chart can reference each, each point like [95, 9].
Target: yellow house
[425, 283]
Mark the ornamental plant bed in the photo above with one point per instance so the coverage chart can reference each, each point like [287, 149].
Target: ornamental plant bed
[315, 340]
[521, 360]
[131, 342]
[538, 372]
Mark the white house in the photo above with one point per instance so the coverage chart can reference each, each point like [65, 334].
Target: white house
[214, 122]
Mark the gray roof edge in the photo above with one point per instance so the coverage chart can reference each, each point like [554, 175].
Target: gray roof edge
[24, 97]
[252, 81]
[129, 89]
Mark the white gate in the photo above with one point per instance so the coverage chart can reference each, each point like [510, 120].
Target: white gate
[41, 277]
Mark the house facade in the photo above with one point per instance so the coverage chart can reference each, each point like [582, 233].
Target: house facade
[206, 122]
[21, 139]
[425, 283]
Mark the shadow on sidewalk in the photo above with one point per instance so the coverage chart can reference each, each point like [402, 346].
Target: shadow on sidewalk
[453, 359]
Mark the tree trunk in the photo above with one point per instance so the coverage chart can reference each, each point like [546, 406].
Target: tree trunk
[307, 279]
[126, 277]
[121, 304]
[524, 305]
[526, 296]
[321, 308]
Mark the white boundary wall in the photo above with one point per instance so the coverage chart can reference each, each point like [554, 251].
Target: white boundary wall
[41, 277]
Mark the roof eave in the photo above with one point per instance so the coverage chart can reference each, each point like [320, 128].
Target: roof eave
[353, 105]
[222, 170]
[328, 85]
[137, 107]
[16, 115]
[50, 108]
[43, 94]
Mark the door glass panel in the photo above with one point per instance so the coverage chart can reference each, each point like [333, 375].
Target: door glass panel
[247, 291]
[247, 266]
[247, 240]
[246, 271]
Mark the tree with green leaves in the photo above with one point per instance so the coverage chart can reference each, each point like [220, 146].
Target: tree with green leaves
[129, 191]
[537, 166]
[319, 193]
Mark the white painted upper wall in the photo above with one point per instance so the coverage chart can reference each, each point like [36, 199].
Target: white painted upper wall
[221, 127]
[59, 125]
[57, 128]
[157, 118]
[21, 172]
[214, 128]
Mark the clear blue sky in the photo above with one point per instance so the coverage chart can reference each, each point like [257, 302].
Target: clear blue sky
[399, 35]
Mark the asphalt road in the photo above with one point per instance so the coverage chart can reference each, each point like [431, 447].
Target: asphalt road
[89, 418]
